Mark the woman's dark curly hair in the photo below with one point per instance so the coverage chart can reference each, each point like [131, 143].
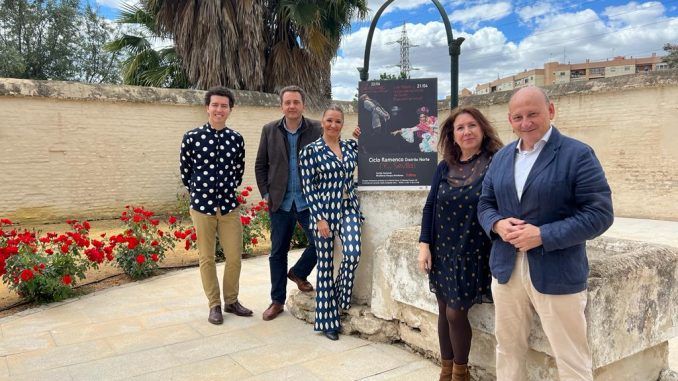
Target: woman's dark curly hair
[451, 151]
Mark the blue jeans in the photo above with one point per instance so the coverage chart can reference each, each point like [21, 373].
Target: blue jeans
[282, 228]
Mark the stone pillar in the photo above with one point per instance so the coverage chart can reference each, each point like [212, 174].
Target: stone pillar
[385, 211]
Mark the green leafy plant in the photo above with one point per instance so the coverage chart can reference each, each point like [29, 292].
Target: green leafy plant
[46, 268]
[255, 220]
[298, 238]
[142, 246]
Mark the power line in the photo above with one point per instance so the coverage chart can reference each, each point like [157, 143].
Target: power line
[638, 54]
[563, 28]
[550, 47]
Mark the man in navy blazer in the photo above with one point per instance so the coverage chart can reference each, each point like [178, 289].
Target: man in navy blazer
[543, 197]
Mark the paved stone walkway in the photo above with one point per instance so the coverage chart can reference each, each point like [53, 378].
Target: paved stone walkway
[157, 329]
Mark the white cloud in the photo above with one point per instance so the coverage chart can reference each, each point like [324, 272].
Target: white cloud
[116, 3]
[472, 16]
[533, 11]
[374, 5]
[487, 53]
[634, 13]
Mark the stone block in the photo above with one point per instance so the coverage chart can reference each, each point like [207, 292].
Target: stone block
[631, 310]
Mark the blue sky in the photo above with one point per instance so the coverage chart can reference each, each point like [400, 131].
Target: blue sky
[502, 37]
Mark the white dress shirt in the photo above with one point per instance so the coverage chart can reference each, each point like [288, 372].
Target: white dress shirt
[526, 159]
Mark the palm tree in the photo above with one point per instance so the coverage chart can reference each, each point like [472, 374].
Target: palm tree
[258, 45]
[144, 65]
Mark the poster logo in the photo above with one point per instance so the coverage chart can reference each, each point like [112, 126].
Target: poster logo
[399, 125]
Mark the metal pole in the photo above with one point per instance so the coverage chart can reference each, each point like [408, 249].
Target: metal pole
[454, 49]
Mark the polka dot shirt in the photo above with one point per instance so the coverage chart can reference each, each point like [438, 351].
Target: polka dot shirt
[212, 164]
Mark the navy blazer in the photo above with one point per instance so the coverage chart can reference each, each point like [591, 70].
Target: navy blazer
[566, 195]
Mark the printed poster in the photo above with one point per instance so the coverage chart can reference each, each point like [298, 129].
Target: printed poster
[398, 120]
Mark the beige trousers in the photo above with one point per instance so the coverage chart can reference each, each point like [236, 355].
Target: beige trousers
[229, 229]
[562, 318]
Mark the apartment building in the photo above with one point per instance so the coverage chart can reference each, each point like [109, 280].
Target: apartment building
[555, 72]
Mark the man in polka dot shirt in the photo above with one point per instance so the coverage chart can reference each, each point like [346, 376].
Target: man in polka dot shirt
[212, 164]
[279, 181]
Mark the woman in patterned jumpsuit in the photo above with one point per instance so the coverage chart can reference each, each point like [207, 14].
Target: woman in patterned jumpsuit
[327, 167]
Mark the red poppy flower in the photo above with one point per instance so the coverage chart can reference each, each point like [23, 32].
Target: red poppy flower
[141, 259]
[6, 221]
[249, 188]
[154, 243]
[254, 241]
[49, 251]
[26, 275]
[161, 233]
[155, 222]
[86, 225]
[187, 245]
[245, 193]
[194, 237]
[172, 220]
[154, 257]
[138, 218]
[66, 279]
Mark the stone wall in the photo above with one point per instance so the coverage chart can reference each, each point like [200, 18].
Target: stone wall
[631, 314]
[78, 150]
[632, 124]
[85, 151]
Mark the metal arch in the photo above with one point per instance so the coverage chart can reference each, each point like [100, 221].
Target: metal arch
[454, 49]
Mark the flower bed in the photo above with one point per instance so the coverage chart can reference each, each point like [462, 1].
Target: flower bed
[46, 267]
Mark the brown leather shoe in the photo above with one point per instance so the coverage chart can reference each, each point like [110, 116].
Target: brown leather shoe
[460, 372]
[273, 311]
[446, 370]
[215, 315]
[238, 309]
[302, 284]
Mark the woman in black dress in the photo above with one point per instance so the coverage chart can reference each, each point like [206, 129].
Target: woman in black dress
[453, 249]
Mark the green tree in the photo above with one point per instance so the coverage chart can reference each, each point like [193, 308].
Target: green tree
[39, 38]
[144, 65]
[53, 39]
[95, 64]
[259, 45]
[672, 57]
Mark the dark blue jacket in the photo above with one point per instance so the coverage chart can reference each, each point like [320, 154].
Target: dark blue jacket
[427, 233]
[566, 195]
